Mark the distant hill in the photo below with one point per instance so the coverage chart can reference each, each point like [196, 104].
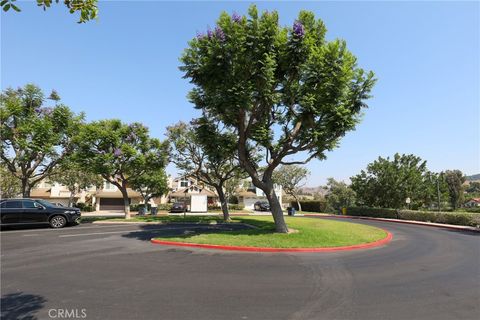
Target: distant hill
[473, 177]
[313, 190]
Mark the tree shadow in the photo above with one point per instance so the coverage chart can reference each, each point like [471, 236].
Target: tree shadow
[21, 306]
[188, 230]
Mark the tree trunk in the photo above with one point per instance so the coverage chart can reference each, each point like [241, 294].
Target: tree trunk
[298, 203]
[70, 199]
[25, 188]
[126, 203]
[276, 208]
[223, 203]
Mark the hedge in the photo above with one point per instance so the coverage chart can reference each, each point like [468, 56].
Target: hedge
[456, 218]
[84, 207]
[310, 205]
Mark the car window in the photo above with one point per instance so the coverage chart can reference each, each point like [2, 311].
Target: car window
[14, 204]
[3, 204]
[28, 204]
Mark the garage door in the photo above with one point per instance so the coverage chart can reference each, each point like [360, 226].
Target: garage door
[111, 204]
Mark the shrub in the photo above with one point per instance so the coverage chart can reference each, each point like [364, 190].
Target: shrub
[213, 206]
[84, 207]
[236, 207]
[310, 205]
[372, 212]
[165, 206]
[456, 218]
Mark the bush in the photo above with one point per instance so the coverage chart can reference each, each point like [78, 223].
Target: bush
[372, 212]
[136, 207]
[310, 205]
[213, 206]
[456, 218]
[84, 207]
[165, 206]
[236, 207]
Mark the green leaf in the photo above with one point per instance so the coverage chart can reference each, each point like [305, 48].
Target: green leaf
[14, 7]
[3, 3]
[6, 7]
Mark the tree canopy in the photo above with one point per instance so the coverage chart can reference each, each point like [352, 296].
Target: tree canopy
[283, 90]
[291, 178]
[206, 152]
[119, 152]
[340, 195]
[387, 183]
[88, 9]
[35, 137]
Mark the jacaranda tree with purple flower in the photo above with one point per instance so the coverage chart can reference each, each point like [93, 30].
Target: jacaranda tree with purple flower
[35, 137]
[124, 155]
[284, 90]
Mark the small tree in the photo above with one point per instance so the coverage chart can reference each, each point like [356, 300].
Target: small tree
[283, 90]
[151, 183]
[455, 180]
[291, 178]
[35, 138]
[75, 178]
[339, 195]
[203, 151]
[119, 153]
[9, 185]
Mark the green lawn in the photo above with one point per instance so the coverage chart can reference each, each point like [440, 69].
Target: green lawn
[311, 233]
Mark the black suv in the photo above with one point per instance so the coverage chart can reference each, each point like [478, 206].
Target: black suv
[261, 206]
[34, 211]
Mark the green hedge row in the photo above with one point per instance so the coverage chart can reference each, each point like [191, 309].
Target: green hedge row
[456, 218]
[310, 205]
[231, 206]
[84, 207]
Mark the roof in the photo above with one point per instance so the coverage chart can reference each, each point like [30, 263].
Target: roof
[46, 193]
[184, 193]
[117, 194]
[245, 193]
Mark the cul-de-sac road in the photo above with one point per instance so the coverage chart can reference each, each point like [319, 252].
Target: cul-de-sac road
[114, 272]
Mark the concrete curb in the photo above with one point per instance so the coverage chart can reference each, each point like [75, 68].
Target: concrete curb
[419, 223]
[377, 243]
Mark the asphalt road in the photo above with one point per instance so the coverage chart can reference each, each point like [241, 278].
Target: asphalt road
[114, 272]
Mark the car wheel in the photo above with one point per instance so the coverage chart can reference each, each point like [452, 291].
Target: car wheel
[58, 222]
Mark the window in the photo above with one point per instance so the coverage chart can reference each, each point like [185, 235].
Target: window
[109, 186]
[184, 183]
[29, 204]
[14, 204]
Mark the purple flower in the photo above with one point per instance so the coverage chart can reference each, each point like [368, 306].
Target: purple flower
[298, 29]
[46, 111]
[210, 33]
[236, 17]
[117, 152]
[200, 35]
[219, 33]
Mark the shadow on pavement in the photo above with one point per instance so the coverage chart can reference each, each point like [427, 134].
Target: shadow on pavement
[174, 230]
[21, 306]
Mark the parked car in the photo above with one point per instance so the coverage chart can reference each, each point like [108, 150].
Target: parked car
[261, 206]
[179, 207]
[34, 211]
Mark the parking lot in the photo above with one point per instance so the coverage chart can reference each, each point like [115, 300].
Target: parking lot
[114, 272]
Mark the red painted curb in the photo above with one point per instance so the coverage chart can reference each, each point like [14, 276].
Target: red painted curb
[416, 223]
[378, 243]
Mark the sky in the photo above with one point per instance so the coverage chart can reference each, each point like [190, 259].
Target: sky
[125, 65]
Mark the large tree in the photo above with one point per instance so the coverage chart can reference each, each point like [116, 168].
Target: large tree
[455, 180]
[284, 90]
[70, 174]
[340, 195]
[35, 137]
[389, 182]
[119, 152]
[88, 8]
[291, 178]
[204, 151]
